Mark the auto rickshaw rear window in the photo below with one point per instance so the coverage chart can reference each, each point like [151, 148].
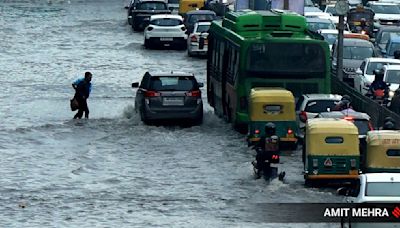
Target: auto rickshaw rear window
[320, 106]
[393, 152]
[334, 140]
[272, 109]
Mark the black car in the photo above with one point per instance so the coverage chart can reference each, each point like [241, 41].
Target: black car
[169, 96]
[191, 17]
[140, 11]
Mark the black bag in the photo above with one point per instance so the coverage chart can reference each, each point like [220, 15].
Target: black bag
[74, 104]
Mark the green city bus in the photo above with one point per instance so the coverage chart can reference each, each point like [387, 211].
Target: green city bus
[250, 49]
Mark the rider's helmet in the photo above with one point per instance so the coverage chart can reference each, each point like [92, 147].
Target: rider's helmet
[270, 129]
[389, 125]
[378, 74]
[344, 104]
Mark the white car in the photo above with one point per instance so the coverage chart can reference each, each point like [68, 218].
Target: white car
[385, 13]
[374, 188]
[165, 30]
[331, 10]
[330, 35]
[392, 76]
[308, 106]
[365, 73]
[197, 41]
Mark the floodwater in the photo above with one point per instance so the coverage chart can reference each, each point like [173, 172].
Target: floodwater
[112, 170]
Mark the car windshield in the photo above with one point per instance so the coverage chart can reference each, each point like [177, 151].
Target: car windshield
[382, 189]
[152, 6]
[393, 47]
[330, 38]
[386, 35]
[315, 26]
[377, 66]
[318, 106]
[331, 9]
[202, 28]
[200, 17]
[392, 76]
[359, 53]
[172, 83]
[166, 22]
[287, 59]
[385, 9]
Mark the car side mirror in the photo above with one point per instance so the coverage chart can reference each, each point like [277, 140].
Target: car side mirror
[126, 7]
[135, 85]
[358, 71]
[343, 191]
[200, 84]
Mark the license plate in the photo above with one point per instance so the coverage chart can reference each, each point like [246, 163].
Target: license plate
[166, 39]
[173, 101]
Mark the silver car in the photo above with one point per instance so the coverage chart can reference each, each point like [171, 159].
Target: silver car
[169, 96]
[197, 43]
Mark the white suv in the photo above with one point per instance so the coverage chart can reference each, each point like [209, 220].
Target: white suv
[309, 105]
[365, 74]
[165, 30]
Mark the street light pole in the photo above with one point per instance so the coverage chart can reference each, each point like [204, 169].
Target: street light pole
[339, 57]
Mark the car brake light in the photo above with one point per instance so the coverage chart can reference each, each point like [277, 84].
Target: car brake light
[257, 131]
[149, 28]
[193, 39]
[195, 93]
[303, 116]
[151, 94]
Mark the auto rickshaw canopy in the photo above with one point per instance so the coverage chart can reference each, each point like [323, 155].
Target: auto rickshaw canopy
[271, 104]
[189, 5]
[330, 137]
[383, 149]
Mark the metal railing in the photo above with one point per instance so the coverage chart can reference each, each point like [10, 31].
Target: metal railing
[365, 104]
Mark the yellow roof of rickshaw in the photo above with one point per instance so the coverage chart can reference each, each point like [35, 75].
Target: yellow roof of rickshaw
[331, 126]
[275, 92]
[383, 137]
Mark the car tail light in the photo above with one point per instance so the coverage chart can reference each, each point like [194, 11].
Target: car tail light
[353, 163]
[275, 158]
[183, 28]
[257, 131]
[149, 28]
[193, 39]
[195, 93]
[315, 163]
[243, 102]
[151, 94]
[303, 116]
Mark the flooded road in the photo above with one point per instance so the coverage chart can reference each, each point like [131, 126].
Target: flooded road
[112, 170]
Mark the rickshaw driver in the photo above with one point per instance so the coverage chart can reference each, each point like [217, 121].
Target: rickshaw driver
[266, 147]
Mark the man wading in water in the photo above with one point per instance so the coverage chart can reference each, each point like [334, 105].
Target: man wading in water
[82, 88]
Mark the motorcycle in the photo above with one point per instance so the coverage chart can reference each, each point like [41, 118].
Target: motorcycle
[267, 156]
[381, 96]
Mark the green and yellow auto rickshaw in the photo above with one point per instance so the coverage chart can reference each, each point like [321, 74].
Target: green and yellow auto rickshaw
[276, 105]
[330, 151]
[383, 152]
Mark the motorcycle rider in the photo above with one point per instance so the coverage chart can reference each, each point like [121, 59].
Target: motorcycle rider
[378, 84]
[268, 144]
[344, 103]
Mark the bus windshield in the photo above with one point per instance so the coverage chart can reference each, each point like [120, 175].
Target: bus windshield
[287, 58]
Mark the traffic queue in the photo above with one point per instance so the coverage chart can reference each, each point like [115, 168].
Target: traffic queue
[338, 142]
